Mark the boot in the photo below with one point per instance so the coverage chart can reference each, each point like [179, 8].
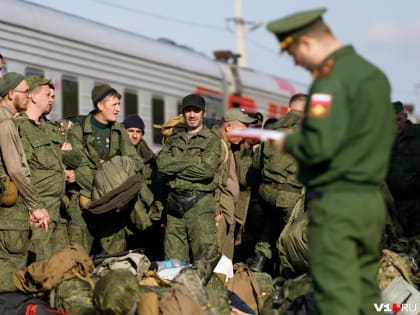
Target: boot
[257, 262]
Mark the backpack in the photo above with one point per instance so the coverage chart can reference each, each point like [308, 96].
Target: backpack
[40, 277]
[116, 293]
[292, 243]
[244, 284]
[115, 184]
[73, 296]
[16, 303]
[286, 293]
[393, 265]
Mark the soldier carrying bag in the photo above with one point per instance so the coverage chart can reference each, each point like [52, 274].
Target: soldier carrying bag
[179, 203]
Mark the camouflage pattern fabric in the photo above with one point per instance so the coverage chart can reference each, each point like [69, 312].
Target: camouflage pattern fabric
[42, 150]
[116, 293]
[285, 293]
[393, 265]
[73, 296]
[189, 279]
[217, 295]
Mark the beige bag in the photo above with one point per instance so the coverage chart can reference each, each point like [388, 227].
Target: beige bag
[245, 285]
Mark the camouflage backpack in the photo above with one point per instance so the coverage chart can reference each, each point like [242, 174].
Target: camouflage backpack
[393, 265]
[73, 296]
[116, 293]
[286, 293]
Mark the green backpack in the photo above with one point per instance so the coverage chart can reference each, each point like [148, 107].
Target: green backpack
[73, 296]
[285, 293]
[115, 184]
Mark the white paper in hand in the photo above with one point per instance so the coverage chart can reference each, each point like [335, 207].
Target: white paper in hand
[260, 134]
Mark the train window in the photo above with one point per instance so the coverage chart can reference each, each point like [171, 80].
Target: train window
[33, 71]
[70, 96]
[130, 103]
[158, 112]
[214, 103]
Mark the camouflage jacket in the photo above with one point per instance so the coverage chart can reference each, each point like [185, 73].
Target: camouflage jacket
[279, 183]
[191, 164]
[82, 139]
[45, 161]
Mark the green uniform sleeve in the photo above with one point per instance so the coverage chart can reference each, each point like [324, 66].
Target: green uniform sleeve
[324, 125]
[204, 167]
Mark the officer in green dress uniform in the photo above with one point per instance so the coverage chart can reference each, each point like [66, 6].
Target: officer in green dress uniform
[343, 151]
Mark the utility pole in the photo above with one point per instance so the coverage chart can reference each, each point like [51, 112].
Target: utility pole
[240, 33]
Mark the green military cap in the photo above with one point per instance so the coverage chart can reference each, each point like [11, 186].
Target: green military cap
[35, 81]
[398, 106]
[100, 92]
[289, 28]
[238, 114]
[9, 82]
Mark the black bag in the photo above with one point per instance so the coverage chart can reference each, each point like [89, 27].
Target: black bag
[16, 303]
[179, 203]
[303, 305]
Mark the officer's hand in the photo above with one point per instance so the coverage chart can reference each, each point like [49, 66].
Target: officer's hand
[40, 218]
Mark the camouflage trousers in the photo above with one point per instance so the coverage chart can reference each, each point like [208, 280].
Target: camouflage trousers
[77, 229]
[273, 225]
[14, 242]
[43, 244]
[196, 231]
[345, 229]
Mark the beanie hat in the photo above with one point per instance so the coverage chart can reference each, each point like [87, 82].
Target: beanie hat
[133, 121]
[100, 92]
[194, 100]
[9, 82]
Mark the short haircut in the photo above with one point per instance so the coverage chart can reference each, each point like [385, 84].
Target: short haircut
[298, 97]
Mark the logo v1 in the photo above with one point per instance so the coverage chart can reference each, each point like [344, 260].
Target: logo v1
[395, 308]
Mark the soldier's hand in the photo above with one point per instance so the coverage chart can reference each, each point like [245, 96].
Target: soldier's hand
[66, 146]
[40, 218]
[70, 176]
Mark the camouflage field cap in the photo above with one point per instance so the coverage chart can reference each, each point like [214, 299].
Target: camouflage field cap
[116, 293]
[238, 114]
[9, 82]
[398, 107]
[291, 27]
[35, 81]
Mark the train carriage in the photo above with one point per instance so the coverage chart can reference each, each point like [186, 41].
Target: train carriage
[152, 75]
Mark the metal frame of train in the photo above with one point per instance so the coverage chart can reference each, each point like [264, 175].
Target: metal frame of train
[152, 75]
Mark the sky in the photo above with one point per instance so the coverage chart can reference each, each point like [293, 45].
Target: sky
[385, 32]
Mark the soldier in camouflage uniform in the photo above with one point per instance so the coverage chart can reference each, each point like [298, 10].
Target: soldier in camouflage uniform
[43, 152]
[14, 218]
[99, 137]
[152, 238]
[228, 191]
[189, 161]
[279, 187]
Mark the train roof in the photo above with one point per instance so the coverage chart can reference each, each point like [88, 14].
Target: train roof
[70, 27]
